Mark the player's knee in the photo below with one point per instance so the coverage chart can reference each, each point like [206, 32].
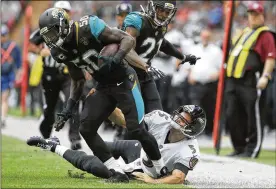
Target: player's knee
[87, 128]
[137, 134]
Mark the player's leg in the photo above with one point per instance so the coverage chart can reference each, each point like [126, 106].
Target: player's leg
[51, 93]
[74, 122]
[79, 159]
[150, 96]
[96, 109]
[131, 103]
[129, 150]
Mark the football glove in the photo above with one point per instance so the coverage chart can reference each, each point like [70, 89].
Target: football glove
[191, 59]
[155, 73]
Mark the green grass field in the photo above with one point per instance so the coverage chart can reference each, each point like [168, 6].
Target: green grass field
[30, 167]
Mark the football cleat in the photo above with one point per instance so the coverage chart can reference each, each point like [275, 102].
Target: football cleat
[47, 144]
[117, 177]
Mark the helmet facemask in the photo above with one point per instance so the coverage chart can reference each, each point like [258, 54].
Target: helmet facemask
[191, 128]
[152, 11]
[55, 35]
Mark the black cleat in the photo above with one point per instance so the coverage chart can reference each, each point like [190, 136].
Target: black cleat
[117, 177]
[76, 145]
[47, 144]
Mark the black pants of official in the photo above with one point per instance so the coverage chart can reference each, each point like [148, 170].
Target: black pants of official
[243, 114]
[52, 85]
[204, 95]
[165, 90]
[126, 96]
[129, 150]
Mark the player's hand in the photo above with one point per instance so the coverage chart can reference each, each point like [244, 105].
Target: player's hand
[191, 59]
[143, 177]
[62, 118]
[155, 73]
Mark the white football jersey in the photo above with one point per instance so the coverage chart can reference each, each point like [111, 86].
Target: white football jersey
[185, 151]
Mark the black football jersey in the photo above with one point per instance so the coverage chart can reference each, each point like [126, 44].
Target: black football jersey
[150, 37]
[84, 48]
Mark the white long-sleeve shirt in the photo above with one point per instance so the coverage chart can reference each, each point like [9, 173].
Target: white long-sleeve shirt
[209, 64]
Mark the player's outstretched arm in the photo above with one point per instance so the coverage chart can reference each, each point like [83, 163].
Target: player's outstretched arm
[169, 49]
[113, 35]
[177, 177]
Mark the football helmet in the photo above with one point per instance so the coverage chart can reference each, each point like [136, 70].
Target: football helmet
[191, 128]
[123, 8]
[168, 6]
[54, 25]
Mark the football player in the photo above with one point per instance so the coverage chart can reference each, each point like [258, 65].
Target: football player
[176, 136]
[55, 78]
[78, 45]
[149, 28]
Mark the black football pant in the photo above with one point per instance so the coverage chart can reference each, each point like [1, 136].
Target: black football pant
[129, 150]
[204, 95]
[243, 115]
[126, 96]
[52, 85]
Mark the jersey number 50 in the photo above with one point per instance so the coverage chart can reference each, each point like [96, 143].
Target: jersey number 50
[84, 21]
[152, 42]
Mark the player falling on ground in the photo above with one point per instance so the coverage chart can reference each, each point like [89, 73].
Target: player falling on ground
[174, 133]
[78, 45]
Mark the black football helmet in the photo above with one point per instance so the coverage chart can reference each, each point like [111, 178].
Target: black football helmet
[168, 5]
[54, 25]
[197, 124]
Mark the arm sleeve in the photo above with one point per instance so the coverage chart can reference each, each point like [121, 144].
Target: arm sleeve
[169, 49]
[268, 44]
[133, 20]
[181, 167]
[96, 26]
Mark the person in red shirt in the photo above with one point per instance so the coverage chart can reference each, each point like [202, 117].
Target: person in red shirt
[243, 92]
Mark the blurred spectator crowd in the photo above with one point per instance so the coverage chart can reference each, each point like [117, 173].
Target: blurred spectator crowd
[199, 27]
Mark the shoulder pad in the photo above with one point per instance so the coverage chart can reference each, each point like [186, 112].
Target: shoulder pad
[133, 19]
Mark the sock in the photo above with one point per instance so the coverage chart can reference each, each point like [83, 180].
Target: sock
[111, 163]
[60, 150]
[158, 164]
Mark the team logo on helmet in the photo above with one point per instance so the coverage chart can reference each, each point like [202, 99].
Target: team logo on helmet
[169, 6]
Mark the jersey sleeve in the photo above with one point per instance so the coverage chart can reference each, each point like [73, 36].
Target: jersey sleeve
[97, 26]
[133, 20]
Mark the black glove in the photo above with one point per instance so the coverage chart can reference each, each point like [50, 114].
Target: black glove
[190, 58]
[64, 115]
[155, 73]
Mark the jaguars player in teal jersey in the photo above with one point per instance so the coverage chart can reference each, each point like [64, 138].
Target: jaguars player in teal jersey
[78, 45]
[149, 28]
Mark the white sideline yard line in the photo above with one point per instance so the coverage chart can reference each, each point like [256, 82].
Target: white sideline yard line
[211, 172]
